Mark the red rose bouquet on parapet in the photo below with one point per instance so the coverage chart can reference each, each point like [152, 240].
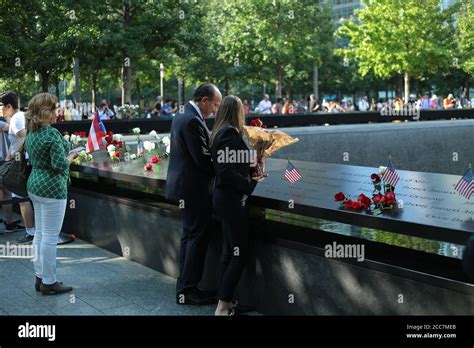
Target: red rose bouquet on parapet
[383, 197]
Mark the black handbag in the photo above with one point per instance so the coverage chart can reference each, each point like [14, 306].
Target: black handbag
[14, 174]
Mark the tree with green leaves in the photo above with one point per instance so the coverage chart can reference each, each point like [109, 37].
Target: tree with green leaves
[465, 35]
[281, 39]
[408, 37]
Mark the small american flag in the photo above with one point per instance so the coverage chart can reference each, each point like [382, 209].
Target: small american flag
[140, 149]
[465, 186]
[96, 133]
[291, 173]
[390, 176]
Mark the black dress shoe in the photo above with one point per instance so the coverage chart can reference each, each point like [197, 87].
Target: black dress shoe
[25, 239]
[54, 289]
[38, 284]
[241, 309]
[194, 297]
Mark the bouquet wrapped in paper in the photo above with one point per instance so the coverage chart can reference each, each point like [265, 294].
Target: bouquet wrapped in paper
[266, 142]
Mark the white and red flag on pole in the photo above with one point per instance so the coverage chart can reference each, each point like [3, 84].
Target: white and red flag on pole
[96, 133]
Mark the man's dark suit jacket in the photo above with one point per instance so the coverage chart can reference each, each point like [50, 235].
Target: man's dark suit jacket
[190, 169]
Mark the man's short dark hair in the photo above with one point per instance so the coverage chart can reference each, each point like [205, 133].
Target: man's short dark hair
[205, 90]
[11, 98]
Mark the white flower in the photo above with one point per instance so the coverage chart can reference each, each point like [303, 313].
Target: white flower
[133, 156]
[148, 145]
[110, 148]
[117, 137]
[382, 170]
[136, 130]
[67, 137]
[73, 138]
[153, 134]
[168, 149]
[166, 140]
[89, 157]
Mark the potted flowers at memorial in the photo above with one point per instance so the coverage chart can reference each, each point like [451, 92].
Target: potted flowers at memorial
[383, 197]
[82, 158]
[76, 139]
[155, 152]
[116, 147]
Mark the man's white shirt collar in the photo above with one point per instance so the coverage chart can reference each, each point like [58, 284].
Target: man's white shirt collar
[196, 107]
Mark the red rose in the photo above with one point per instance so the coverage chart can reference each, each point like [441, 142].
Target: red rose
[83, 134]
[155, 159]
[364, 200]
[356, 205]
[376, 198]
[390, 196]
[76, 133]
[339, 197]
[65, 133]
[383, 199]
[120, 144]
[348, 203]
[375, 177]
[148, 166]
[256, 122]
[114, 142]
[117, 153]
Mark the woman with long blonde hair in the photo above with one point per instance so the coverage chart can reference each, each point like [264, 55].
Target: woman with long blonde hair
[232, 159]
[47, 187]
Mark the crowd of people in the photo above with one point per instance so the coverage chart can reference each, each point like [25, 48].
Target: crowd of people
[309, 105]
[71, 111]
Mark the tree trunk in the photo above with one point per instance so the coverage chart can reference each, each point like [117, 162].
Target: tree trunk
[94, 89]
[127, 68]
[181, 97]
[399, 86]
[278, 81]
[56, 84]
[123, 87]
[127, 81]
[407, 86]
[315, 82]
[226, 86]
[44, 82]
[77, 88]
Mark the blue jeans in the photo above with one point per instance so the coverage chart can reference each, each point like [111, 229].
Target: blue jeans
[49, 217]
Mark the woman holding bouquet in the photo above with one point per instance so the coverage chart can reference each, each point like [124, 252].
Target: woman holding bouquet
[233, 185]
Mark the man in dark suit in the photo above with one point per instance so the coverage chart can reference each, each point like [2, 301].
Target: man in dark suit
[190, 174]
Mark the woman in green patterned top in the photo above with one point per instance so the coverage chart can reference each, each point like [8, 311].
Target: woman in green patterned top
[47, 187]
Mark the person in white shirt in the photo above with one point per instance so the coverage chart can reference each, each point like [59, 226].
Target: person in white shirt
[76, 116]
[265, 106]
[363, 104]
[16, 136]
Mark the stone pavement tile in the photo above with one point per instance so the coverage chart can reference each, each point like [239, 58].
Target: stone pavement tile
[87, 272]
[82, 250]
[2, 312]
[100, 297]
[131, 309]
[61, 305]
[15, 302]
[169, 308]
[128, 268]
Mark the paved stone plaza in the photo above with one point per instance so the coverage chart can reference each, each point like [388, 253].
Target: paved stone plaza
[104, 284]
